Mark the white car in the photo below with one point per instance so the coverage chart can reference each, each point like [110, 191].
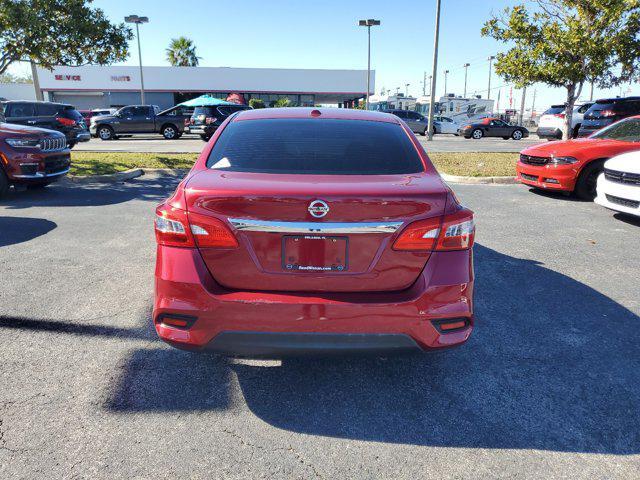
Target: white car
[619, 186]
[445, 125]
[552, 121]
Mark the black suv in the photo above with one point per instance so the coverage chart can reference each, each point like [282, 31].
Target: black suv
[54, 116]
[205, 120]
[607, 111]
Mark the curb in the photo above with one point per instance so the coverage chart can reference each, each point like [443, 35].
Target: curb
[120, 177]
[479, 180]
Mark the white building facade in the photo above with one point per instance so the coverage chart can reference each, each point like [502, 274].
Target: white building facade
[90, 87]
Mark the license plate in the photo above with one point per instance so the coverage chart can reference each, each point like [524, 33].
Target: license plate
[314, 253]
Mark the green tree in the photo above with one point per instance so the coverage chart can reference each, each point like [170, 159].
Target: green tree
[282, 102]
[566, 43]
[59, 32]
[256, 103]
[182, 53]
[7, 77]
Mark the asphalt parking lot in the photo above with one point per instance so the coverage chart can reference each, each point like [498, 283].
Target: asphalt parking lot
[547, 387]
[191, 143]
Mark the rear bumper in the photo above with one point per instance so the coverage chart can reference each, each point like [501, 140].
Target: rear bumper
[258, 324]
[550, 177]
[549, 132]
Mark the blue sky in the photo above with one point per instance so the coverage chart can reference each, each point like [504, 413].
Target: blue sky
[324, 34]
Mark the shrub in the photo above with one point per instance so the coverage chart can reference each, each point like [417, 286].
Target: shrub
[256, 103]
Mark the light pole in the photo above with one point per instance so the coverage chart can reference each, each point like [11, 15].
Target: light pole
[466, 66]
[138, 20]
[446, 72]
[434, 73]
[368, 23]
[491, 59]
[406, 89]
[397, 90]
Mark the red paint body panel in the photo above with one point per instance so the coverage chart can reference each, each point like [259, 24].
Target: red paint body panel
[585, 150]
[382, 291]
[184, 286]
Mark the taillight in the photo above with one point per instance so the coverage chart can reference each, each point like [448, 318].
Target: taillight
[175, 228]
[209, 120]
[187, 121]
[67, 122]
[172, 227]
[455, 232]
[607, 113]
[211, 232]
[559, 115]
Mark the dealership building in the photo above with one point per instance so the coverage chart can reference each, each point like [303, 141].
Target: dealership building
[90, 87]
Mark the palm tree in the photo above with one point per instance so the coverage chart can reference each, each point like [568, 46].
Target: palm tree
[182, 53]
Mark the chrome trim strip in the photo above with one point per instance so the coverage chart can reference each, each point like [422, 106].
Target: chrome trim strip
[314, 227]
[43, 175]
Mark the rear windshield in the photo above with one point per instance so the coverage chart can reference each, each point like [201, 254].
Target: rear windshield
[312, 146]
[554, 110]
[208, 111]
[595, 111]
[70, 112]
[627, 130]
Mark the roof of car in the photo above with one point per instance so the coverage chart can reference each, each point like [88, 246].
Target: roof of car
[307, 112]
[37, 102]
[616, 99]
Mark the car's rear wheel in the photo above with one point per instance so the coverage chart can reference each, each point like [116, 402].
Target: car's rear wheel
[4, 184]
[576, 129]
[588, 179]
[105, 132]
[205, 137]
[477, 134]
[517, 135]
[170, 132]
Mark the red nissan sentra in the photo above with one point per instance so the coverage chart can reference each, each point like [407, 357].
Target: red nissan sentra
[313, 231]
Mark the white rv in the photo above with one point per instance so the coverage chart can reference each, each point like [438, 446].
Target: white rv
[460, 110]
[391, 102]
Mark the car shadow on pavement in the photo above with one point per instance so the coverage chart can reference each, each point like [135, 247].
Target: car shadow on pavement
[553, 365]
[22, 229]
[154, 187]
[629, 219]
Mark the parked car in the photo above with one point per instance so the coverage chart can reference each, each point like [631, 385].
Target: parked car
[295, 233]
[574, 165]
[445, 125]
[31, 157]
[417, 122]
[88, 114]
[607, 111]
[134, 119]
[493, 127]
[619, 188]
[205, 120]
[551, 122]
[53, 116]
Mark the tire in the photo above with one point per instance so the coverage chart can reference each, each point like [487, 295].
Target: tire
[424, 132]
[205, 137]
[575, 131]
[4, 184]
[105, 132]
[170, 132]
[586, 184]
[517, 135]
[477, 134]
[71, 144]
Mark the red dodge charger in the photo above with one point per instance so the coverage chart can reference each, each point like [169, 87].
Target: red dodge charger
[313, 231]
[575, 165]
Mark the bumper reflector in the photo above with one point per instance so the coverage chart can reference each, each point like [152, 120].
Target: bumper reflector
[176, 321]
[450, 324]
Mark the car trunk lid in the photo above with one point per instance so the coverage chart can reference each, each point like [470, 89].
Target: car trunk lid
[315, 233]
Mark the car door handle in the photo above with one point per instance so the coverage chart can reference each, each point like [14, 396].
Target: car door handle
[31, 122]
[148, 118]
